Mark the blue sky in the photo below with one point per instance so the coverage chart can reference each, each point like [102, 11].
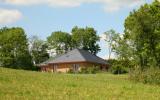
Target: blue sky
[42, 17]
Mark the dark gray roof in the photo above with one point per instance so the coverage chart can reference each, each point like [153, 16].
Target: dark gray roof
[46, 62]
[77, 55]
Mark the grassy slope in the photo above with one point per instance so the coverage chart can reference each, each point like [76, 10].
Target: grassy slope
[19, 84]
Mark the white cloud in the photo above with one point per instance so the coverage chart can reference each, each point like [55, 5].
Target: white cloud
[8, 16]
[108, 5]
[59, 3]
[115, 5]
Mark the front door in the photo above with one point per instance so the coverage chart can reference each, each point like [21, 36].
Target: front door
[55, 67]
[75, 67]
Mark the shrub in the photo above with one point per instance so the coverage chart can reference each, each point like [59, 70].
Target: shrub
[119, 66]
[87, 70]
[118, 69]
[90, 70]
[71, 71]
[149, 76]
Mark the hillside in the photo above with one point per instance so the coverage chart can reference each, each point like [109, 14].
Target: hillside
[21, 85]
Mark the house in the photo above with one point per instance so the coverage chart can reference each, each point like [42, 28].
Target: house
[73, 60]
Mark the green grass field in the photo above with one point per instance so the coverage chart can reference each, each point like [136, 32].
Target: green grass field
[27, 85]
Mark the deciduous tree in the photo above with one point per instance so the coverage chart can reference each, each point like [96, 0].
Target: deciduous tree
[111, 38]
[142, 30]
[85, 38]
[60, 41]
[14, 48]
[38, 50]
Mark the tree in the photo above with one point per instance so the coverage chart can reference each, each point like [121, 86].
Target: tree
[80, 38]
[119, 46]
[38, 50]
[142, 30]
[111, 38]
[85, 38]
[14, 48]
[60, 41]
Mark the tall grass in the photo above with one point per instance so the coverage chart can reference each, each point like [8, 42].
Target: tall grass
[149, 76]
[28, 85]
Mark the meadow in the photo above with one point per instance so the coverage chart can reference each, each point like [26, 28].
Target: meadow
[29, 85]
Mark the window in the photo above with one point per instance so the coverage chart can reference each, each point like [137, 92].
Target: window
[75, 67]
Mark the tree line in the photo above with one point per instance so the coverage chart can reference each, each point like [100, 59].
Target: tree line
[17, 51]
[138, 49]
[139, 46]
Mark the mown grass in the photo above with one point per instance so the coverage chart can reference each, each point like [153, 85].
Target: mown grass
[27, 85]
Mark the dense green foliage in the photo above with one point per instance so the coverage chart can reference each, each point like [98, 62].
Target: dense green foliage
[38, 50]
[60, 41]
[14, 48]
[85, 38]
[140, 43]
[118, 66]
[142, 35]
[139, 46]
[19, 84]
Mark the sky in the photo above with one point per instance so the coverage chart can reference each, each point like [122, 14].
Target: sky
[42, 17]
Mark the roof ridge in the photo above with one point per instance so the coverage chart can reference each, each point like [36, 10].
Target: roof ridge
[91, 55]
[82, 53]
[77, 54]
